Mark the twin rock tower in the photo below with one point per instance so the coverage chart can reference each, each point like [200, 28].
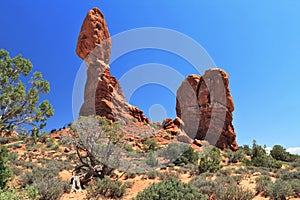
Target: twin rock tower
[204, 104]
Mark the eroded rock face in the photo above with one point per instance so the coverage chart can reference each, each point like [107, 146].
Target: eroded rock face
[205, 105]
[103, 95]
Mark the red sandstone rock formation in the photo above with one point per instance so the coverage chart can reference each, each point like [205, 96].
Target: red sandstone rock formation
[103, 95]
[205, 106]
[94, 33]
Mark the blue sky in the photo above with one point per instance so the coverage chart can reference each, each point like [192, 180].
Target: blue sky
[256, 42]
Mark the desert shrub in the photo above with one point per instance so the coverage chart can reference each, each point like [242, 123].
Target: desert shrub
[16, 171]
[280, 190]
[28, 192]
[232, 191]
[263, 184]
[237, 178]
[234, 156]
[5, 172]
[210, 161]
[167, 175]
[12, 157]
[296, 187]
[46, 181]
[151, 160]
[130, 175]
[128, 147]
[246, 149]
[106, 188]
[3, 140]
[241, 170]
[172, 189]
[150, 145]
[205, 186]
[55, 148]
[11, 194]
[286, 175]
[173, 151]
[189, 156]
[152, 174]
[223, 188]
[224, 172]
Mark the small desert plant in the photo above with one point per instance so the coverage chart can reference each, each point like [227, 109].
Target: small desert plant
[169, 190]
[106, 188]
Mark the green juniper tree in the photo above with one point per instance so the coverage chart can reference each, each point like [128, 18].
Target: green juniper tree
[5, 172]
[20, 106]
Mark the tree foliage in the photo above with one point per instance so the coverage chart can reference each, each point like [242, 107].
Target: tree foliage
[260, 158]
[5, 172]
[19, 106]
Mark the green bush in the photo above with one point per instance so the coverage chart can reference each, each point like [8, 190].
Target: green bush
[234, 156]
[5, 172]
[106, 188]
[279, 153]
[28, 192]
[210, 162]
[172, 189]
[189, 156]
[259, 158]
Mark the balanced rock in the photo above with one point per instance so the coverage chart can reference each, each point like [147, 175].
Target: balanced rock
[205, 105]
[103, 95]
[94, 37]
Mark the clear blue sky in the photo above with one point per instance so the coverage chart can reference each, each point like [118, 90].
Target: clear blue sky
[256, 42]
